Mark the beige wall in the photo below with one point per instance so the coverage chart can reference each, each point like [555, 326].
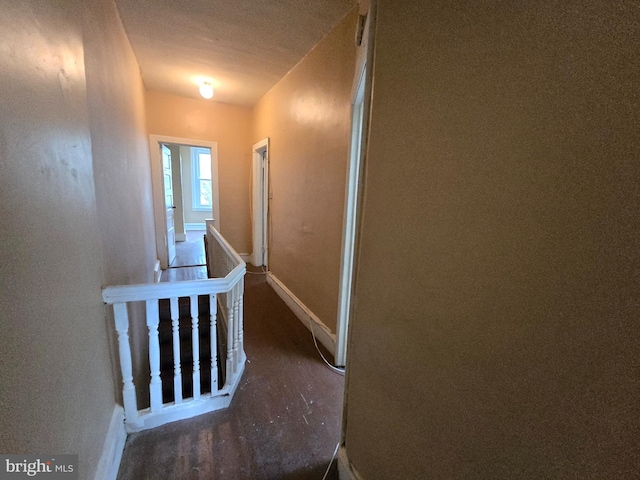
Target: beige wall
[307, 118]
[229, 126]
[122, 172]
[120, 148]
[63, 235]
[496, 331]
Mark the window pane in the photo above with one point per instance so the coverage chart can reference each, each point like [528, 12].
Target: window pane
[205, 193]
[205, 165]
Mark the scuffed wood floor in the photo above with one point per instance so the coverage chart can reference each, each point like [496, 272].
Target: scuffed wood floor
[190, 252]
[283, 423]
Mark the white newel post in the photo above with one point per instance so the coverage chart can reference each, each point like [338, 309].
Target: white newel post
[195, 347]
[155, 386]
[121, 317]
[177, 371]
[213, 338]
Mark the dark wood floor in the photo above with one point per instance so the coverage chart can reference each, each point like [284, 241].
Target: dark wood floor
[283, 423]
[190, 252]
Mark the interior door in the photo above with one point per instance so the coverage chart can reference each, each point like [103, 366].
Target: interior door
[169, 202]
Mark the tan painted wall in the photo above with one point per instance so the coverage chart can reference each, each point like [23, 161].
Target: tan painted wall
[122, 171]
[120, 148]
[229, 126]
[57, 392]
[496, 331]
[307, 118]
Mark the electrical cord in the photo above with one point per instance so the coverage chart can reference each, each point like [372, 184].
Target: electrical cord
[339, 371]
[330, 462]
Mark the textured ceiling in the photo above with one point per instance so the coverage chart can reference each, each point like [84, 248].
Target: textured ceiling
[243, 46]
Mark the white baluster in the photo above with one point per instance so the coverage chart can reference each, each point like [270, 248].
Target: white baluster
[195, 340]
[230, 327]
[222, 261]
[240, 322]
[213, 338]
[236, 328]
[121, 317]
[177, 371]
[155, 386]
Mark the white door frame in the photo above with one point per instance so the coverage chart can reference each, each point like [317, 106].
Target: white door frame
[360, 105]
[169, 213]
[157, 184]
[260, 203]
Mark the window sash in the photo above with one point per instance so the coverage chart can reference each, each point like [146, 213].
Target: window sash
[201, 187]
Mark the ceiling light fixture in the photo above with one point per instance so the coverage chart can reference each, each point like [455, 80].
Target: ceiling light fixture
[206, 89]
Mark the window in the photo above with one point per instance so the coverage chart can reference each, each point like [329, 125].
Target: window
[201, 188]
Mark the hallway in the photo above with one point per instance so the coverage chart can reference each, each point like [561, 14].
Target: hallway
[284, 421]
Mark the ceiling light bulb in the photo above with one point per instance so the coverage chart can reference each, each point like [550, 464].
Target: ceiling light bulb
[206, 89]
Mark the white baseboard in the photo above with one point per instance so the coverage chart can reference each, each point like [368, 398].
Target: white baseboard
[346, 471]
[246, 257]
[113, 447]
[157, 272]
[181, 237]
[194, 226]
[306, 316]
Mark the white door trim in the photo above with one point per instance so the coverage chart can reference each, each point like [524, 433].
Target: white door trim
[260, 203]
[360, 98]
[167, 173]
[158, 191]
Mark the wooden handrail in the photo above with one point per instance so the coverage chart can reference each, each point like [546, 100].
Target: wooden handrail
[224, 244]
[157, 291]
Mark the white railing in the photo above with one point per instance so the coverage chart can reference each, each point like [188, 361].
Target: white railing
[226, 290]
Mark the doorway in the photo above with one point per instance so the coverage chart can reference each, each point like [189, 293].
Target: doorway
[185, 190]
[260, 203]
[352, 193]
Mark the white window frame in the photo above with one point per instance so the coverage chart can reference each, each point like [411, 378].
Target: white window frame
[195, 180]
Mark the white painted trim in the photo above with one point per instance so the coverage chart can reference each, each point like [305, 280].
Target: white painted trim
[158, 190]
[113, 447]
[349, 223]
[346, 471]
[181, 237]
[351, 209]
[246, 257]
[157, 272]
[260, 202]
[188, 409]
[195, 177]
[155, 291]
[196, 226]
[307, 317]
